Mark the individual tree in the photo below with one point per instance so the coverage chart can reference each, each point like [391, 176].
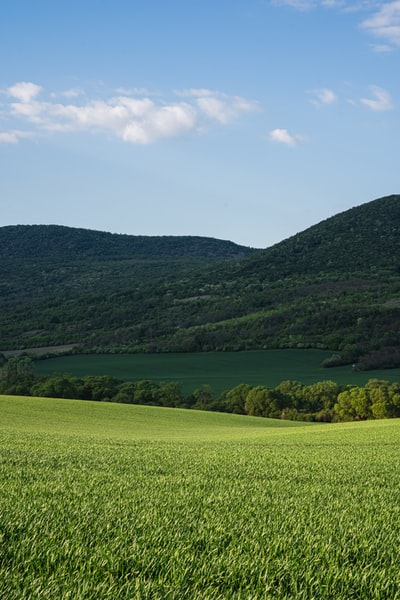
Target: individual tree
[125, 393]
[384, 398]
[202, 398]
[343, 408]
[17, 375]
[99, 387]
[262, 402]
[235, 399]
[321, 395]
[353, 404]
[146, 392]
[361, 403]
[394, 404]
[292, 393]
[170, 394]
[378, 392]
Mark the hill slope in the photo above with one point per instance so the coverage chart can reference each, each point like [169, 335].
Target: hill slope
[108, 420]
[335, 285]
[364, 239]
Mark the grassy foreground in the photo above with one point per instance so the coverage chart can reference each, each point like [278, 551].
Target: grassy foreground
[103, 501]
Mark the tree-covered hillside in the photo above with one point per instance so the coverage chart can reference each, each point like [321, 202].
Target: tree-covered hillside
[68, 244]
[335, 285]
[365, 239]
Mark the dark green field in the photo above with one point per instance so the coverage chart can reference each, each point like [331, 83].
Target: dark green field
[220, 370]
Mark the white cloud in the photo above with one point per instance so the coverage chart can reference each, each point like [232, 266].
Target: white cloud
[153, 122]
[218, 106]
[215, 109]
[344, 6]
[385, 23]
[381, 48]
[137, 92]
[296, 4]
[224, 110]
[140, 120]
[24, 91]
[282, 136]
[8, 137]
[323, 96]
[71, 93]
[12, 137]
[304, 5]
[381, 101]
[195, 92]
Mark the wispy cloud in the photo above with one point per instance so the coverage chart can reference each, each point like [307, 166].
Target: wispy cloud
[296, 4]
[139, 120]
[304, 5]
[282, 136]
[322, 97]
[381, 48]
[138, 92]
[219, 106]
[385, 23]
[344, 6]
[71, 93]
[13, 137]
[381, 100]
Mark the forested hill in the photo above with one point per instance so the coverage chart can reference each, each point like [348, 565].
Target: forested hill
[335, 286]
[362, 239]
[68, 243]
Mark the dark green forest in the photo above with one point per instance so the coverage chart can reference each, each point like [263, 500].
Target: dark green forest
[335, 286]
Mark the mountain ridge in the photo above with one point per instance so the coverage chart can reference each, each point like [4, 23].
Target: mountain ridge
[335, 285]
[16, 241]
[377, 222]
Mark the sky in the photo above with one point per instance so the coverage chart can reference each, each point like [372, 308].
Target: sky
[243, 120]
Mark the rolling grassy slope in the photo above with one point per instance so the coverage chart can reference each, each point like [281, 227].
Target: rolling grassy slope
[103, 502]
[104, 420]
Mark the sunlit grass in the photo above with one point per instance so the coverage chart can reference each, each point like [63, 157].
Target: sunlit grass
[120, 421]
[121, 502]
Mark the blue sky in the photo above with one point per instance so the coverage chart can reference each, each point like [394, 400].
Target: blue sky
[246, 120]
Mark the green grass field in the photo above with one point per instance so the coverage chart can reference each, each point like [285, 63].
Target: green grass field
[220, 370]
[105, 501]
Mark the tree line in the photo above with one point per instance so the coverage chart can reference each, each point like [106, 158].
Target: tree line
[324, 401]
